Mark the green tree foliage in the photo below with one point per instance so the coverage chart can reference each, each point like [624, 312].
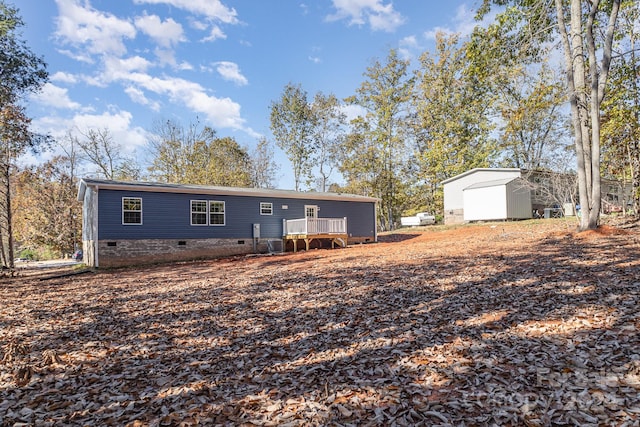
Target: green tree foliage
[535, 133]
[46, 212]
[621, 109]
[586, 30]
[292, 124]
[376, 154]
[452, 123]
[228, 163]
[195, 155]
[15, 137]
[328, 135]
[21, 72]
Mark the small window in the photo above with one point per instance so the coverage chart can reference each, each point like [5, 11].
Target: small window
[198, 212]
[266, 208]
[216, 213]
[132, 210]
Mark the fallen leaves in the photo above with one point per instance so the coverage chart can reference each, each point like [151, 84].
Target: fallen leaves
[515, 325]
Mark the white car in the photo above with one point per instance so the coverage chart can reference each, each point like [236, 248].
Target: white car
[422, 218]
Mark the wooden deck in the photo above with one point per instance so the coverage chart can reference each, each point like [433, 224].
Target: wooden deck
[309, 229]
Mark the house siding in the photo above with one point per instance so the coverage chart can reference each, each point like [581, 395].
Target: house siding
[166, 233]
[168, 216]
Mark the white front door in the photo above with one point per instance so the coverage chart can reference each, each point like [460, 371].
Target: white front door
[311, 211]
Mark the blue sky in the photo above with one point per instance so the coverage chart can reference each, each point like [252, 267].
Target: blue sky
[123, 64]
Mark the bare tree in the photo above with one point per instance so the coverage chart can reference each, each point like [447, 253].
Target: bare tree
[263, 165]
[100, 150]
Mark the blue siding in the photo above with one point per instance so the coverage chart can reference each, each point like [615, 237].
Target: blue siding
[167, 216]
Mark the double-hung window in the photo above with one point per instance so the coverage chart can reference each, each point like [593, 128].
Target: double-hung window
[266, 208]
[132, 211]
[198, 212]
[207, 212]
[216, 213]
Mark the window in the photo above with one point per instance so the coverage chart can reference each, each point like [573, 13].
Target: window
[198, 212]
[216, 213]
[266, 208]
[207, 212]
[132, 211]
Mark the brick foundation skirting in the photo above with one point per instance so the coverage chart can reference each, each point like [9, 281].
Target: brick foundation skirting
[116, 253]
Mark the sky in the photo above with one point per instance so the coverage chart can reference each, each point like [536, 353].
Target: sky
[123, 65]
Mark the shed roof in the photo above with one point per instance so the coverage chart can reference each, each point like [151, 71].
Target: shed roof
[474, 170]
[157, 187]
[494, 183]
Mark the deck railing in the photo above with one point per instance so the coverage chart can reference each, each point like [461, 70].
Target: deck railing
[310, 226]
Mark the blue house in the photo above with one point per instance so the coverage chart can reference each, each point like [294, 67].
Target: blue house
[127, 223]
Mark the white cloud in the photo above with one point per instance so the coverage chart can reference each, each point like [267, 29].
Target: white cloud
[198, 25]
[166, 56]
[119, 125]
[373, 12]
[117, 122]
[56, 97]
[315, 59]
[221, 112]
[212, 9]
[63, 77]
[407, 46]
[90, 30]
[139, 97]
[215, 33]
[78, 56]
[119, 68]
[231, 72]
[463, 23]
[166, 33]
[185, 66]
[385, 19]
[353, 111]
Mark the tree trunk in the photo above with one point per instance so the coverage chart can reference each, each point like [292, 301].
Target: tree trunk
[574, 69]
[9, 237]
[5, 241]
[596, 98]
[585, 111]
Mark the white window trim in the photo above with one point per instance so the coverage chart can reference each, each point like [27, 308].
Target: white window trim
[269, 208]
[206, 212]
[224, 213]
[123, 211]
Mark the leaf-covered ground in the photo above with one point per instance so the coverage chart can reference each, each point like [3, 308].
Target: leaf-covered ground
[507, 324]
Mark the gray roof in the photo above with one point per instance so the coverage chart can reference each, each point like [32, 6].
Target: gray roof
[474, 170]
[158, 187]
[494, 183]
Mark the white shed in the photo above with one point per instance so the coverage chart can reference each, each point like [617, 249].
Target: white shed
[454, 186]
[507, 198]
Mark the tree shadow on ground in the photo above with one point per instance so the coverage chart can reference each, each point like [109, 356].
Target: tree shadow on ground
[544, 336]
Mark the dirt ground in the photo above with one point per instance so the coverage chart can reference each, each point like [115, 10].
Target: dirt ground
[525, 323]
